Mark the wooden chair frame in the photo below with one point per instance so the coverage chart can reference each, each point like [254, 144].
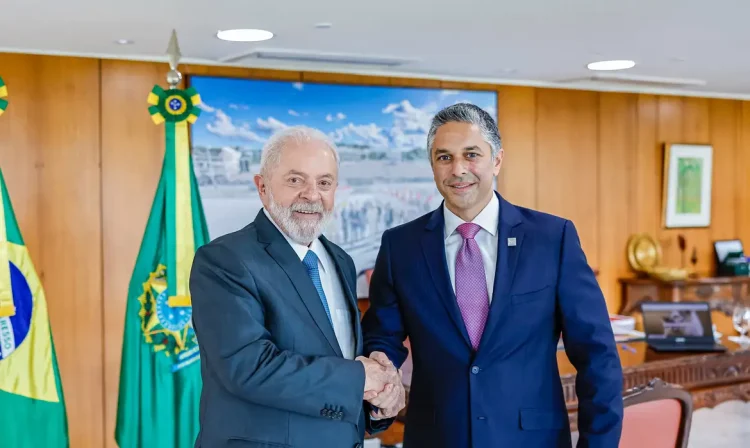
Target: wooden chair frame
[657, 389]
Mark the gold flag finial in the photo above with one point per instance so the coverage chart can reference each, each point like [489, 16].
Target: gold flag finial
[173, 51]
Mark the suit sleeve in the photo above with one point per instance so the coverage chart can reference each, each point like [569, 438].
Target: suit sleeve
[382, 326]
[228, 318]
[590, 346]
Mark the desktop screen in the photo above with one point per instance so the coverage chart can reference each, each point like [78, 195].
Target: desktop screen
[670, 320]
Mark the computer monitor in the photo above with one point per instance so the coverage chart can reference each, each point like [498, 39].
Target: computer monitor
[722, 248]
[678, 321]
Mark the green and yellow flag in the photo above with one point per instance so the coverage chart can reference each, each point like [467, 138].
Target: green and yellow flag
[31, 397]
[160, 380]
[3, 94]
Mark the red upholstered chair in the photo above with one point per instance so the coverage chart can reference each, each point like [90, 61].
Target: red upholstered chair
[656, 416]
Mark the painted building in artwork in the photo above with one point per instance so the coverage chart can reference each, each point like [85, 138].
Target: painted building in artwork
[216, 166]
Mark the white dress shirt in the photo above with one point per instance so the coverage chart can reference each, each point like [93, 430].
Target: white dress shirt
[333, 289]
[486, 238]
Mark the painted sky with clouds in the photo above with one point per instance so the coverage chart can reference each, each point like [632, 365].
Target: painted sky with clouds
[244, 113]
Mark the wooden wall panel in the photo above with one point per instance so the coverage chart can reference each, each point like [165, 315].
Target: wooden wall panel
[455, 85]
[67, 123]
[81, 158]
[647, 174]
[517, 123]
[617, 138]
[234, 72]
[742, 172]
[19, 155]
[567, 161]
[132, 154]
[724, 125]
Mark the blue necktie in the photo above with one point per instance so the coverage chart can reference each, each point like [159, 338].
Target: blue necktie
[311, 263]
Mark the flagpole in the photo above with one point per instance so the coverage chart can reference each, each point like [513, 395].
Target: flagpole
[7, 307]
[160, 378]
[176, 108]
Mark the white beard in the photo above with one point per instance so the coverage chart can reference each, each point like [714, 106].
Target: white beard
[302, 232]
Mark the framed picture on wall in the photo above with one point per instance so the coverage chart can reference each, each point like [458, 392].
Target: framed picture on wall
[687, 185]
[385, 177]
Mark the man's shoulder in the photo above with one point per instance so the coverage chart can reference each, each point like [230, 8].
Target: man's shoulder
[541, 219]
[407, 230]
[236, 242]
[542, 225]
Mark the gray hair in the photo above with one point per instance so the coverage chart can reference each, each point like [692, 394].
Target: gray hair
[466, 113]
[271, 155]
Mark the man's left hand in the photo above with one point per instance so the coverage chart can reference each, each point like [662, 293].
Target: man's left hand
[393, 398]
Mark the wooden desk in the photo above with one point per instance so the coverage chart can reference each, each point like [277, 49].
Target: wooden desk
[720, 292]
[711, 378]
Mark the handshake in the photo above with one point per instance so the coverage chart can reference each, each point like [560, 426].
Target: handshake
[384, 388]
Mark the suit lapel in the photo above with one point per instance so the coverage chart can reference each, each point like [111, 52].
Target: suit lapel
[509, 230]
[433, 247]
[280, 250]
[348, 287]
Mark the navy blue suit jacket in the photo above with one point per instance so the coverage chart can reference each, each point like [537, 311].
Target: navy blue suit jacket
[273, 373]
[508, 392]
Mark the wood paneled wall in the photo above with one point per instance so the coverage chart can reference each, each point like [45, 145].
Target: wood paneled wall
[597, 159]
[50, 155]
[81, 158]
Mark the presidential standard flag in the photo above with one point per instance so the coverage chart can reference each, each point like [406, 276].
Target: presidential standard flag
[160, 378]
[32, 408]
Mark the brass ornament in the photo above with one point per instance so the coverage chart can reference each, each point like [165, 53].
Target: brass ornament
[645, 257]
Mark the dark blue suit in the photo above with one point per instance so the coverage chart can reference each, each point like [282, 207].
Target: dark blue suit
[273, 373]
[508, 393]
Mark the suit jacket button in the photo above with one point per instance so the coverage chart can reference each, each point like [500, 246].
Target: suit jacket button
[475, 370]
[358, 445]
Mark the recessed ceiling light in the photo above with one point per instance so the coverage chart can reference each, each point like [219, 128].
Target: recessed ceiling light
[323, 25]
[611, 65]
[123, 41]
[244, 35]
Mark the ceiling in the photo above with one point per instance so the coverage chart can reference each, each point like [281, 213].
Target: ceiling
[534, 42]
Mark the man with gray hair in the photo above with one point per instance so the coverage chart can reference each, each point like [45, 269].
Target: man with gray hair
[484, 290]
[275, 314]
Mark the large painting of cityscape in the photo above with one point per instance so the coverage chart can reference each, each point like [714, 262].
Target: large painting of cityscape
[381, 132]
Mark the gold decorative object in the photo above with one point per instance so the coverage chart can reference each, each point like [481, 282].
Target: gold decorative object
[645, 256]
[644, 253]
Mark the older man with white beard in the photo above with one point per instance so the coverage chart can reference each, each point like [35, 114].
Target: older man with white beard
[275, 314]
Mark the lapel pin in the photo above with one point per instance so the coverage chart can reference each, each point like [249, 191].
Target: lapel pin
[511, 242]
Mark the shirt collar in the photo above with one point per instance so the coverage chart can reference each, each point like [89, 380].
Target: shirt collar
[300, 249]
[486, 219]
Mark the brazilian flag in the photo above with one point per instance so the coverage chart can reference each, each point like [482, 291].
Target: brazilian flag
[160, 380]
[3, 94]
[32, 409]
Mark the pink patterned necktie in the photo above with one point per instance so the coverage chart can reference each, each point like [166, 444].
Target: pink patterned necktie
[471, 284]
